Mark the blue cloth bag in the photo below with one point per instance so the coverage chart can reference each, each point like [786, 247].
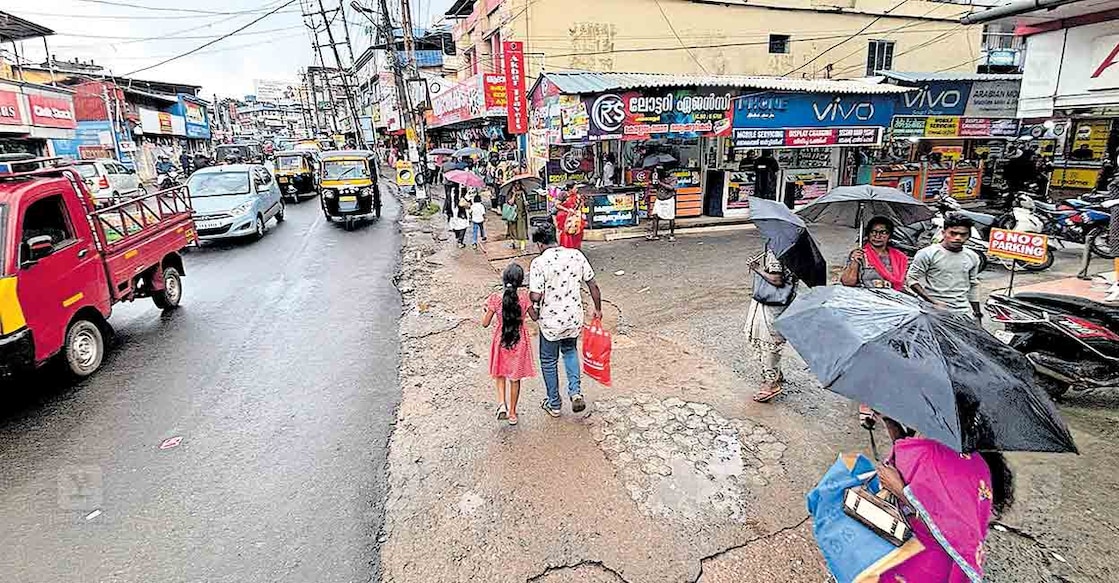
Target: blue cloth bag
[853, 552]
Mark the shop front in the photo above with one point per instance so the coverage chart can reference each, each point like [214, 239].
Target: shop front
[32, 117]
[471, 113]
[718, 140]
[1070, 106]
[950, 134]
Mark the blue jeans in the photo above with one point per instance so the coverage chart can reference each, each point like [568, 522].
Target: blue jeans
[479, 232]
[549, 357]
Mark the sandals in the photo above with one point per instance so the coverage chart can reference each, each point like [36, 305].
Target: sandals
[768, 392]
[512, 420]
[652, 237]
[502, 412]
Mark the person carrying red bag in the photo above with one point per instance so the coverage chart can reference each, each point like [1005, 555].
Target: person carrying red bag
[556, 277]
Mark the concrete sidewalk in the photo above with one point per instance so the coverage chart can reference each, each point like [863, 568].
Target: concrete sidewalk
[672, 474]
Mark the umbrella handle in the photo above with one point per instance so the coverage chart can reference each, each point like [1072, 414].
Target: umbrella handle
[873, 445]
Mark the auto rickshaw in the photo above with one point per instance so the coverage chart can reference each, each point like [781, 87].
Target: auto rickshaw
[348, 183]
[296, 174]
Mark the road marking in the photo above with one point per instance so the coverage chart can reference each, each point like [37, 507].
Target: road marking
[93, 514]
[66, 303]
[171, 442]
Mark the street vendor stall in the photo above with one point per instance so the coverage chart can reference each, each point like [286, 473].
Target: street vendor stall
[609, 129]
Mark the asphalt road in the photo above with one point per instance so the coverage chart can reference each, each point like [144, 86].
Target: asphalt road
[278, 373]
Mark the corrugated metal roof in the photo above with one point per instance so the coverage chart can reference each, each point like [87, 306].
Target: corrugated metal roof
[946, 76]
[595, 82]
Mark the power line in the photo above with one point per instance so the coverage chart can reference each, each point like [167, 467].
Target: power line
[918, 47]
[135, 39]
[164, 9]
[678, 39]
[138, 17]
[215, 41]
[861, 30]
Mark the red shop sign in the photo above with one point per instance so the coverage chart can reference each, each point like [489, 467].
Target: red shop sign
[516, 108]
[9, 109]
[52, 112]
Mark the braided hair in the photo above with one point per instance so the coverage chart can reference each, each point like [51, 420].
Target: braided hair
[512, 317]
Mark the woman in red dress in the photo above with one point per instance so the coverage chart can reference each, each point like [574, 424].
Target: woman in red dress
[572, 204]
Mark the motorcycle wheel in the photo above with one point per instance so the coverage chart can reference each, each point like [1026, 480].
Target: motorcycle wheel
[1098, 241]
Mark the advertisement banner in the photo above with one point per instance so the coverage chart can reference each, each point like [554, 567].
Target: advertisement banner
[516, 110]
[10, 113]
[52, 112]
[942, 127]
[574, 122]
[494, 94]
[993, 99]
[740, 187]
[806, 137]
[637, 115]
[1089, 139]
[908, 127]
[782, 110]
[165, 126]
[613, 210]
[1079, 178]
[936, 98]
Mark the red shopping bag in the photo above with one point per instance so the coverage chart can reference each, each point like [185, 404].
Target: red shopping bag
[597, 346]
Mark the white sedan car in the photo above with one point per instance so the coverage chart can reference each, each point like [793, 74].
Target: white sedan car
[109, 181]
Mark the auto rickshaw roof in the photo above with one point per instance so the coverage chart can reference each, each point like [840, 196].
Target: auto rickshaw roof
[347, 154]
[294, 153]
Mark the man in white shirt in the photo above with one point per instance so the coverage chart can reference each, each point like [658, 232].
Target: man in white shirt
[555, 286]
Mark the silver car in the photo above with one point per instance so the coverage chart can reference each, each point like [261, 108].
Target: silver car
[234, 200]
[109, 181]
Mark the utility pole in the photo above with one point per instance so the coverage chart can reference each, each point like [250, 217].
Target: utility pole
[345, 76]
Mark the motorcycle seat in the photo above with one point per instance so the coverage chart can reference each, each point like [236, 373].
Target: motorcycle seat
[1076, 306]
[982, 219]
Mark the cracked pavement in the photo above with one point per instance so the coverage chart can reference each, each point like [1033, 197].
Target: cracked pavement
[673, 474]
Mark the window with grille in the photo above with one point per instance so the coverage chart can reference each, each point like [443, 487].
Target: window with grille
[879, 56]
[778, 44]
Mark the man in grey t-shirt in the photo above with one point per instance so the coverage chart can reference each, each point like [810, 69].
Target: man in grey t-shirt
[946, 274]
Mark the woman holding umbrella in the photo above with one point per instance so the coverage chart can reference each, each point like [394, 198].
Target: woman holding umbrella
[876, 264]
[766, 341]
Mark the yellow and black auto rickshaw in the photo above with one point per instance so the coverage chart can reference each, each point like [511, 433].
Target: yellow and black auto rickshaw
[348, 183]
[297, 174]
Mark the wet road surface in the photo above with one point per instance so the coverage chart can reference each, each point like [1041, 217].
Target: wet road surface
[279, 374]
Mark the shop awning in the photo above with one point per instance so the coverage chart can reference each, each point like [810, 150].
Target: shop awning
[156, 96]
[909, 77]
[13, 28]
[582, 82]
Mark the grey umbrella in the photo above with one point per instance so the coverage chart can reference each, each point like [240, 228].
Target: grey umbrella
[469, 151]
[441, 151]
[787, 236]
[930, 369]
[850, 206]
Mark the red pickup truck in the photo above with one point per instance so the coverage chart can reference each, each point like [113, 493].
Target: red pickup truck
[64, 263]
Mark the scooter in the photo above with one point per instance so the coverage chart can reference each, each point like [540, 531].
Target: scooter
[1071, 341]
[168, 179]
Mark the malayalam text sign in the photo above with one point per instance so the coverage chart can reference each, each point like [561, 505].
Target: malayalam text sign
[1019, 245]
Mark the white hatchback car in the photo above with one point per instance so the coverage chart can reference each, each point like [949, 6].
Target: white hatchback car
[109, 181]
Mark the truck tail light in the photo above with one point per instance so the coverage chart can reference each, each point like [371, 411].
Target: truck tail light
[102, 182]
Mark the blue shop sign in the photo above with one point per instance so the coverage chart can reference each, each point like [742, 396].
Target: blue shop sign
[935, 98]
[197, 122]
[811, 110]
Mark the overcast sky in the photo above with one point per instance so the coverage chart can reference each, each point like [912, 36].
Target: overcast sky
[133, 38]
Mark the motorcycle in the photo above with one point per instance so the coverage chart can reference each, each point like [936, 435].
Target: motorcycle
[1071, 341]
[1082, 220]
[168, 179]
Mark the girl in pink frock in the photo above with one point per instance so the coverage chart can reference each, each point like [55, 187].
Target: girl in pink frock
[510, 353]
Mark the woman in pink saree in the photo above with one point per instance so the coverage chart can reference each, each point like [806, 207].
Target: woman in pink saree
[950, 499]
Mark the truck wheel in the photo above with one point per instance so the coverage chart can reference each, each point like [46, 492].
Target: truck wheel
[169, 297]
[85, 348]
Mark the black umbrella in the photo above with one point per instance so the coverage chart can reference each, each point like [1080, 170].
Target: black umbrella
[850, 206]
[931, 370]
[787, 236]
[452, 165]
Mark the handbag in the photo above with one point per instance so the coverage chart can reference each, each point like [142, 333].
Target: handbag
[573, 224]
[771, 295]
[878, 512]
[508, 212]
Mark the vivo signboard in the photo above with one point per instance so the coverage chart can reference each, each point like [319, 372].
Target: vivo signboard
[812, 110]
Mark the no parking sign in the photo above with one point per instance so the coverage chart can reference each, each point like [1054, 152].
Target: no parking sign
[1019, 245]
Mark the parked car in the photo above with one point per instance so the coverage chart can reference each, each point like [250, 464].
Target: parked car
[64, 265]
[234, 200]
[109, 181]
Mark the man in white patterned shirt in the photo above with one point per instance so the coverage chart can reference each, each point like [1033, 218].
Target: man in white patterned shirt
[555, 285]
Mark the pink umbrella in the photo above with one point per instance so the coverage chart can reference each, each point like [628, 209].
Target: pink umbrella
[466, 178]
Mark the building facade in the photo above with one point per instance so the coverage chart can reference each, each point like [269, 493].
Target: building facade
[798, 38]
